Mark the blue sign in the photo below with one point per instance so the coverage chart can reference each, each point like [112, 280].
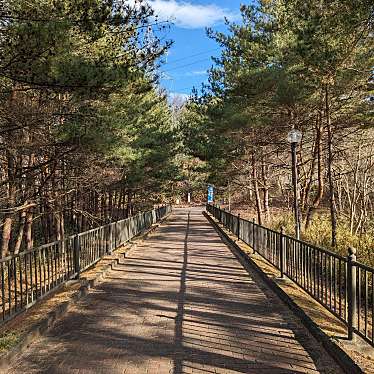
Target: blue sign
[210, 194]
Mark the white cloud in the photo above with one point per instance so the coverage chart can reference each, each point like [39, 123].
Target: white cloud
[196, 73]
[190, 16]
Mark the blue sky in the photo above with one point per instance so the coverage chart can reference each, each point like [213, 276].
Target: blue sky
[189, 57]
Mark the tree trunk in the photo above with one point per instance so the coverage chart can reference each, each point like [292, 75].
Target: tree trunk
[319, 195]
[353, 203]
[304, 196]
[256, 190]
[29, 234]
[265, 190]
[8, 220]
[330, 168]
[22, 222]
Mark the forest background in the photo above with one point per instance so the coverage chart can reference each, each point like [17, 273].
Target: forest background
[87, 136]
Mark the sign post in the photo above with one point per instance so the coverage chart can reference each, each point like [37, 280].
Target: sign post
[210, 194]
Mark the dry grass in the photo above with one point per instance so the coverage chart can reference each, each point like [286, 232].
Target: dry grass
[8, 340]
[12, 331]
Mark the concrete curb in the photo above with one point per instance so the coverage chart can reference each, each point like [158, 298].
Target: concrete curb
[333, 349]
[42, 327]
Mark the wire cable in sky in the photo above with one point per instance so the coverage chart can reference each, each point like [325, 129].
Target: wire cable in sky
[185, 65]
[194, 55]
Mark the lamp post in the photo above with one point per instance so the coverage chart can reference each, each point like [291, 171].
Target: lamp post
[294, 138]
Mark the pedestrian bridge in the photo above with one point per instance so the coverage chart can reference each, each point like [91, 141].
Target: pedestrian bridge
[180, 302]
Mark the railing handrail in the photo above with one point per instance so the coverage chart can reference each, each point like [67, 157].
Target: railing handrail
[311, 245]
[363, 266]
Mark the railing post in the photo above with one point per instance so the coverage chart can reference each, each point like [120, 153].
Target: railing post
[107, 238]
[115, 235]
[282, 257]
[238, 226]
[254, 235]
[352, 292]
[102, 241]
[77, 257]
[110, 238]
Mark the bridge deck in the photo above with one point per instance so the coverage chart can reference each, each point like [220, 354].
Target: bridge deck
[180, 303]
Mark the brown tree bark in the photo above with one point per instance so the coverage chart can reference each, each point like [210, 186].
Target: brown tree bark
[320, 174]
[330, 176]
[21, 229]
[28, 229]
[9, 215]
[256, 190]
[265, 189]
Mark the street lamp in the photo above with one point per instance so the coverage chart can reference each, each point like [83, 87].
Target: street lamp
[294, 138]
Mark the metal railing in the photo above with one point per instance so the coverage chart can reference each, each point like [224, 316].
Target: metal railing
[30, 275]
[342, 285]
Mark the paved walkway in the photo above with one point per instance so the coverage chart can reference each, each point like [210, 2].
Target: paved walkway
[180, 303]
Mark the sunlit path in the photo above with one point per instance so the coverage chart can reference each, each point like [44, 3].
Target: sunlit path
[179, 303]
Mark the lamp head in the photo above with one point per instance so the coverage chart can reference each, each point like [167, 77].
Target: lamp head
[294, 136]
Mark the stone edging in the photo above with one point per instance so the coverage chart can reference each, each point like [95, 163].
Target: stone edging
[337, 353]
[42, 327]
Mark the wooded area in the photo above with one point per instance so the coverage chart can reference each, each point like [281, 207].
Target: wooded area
[86, 136]
[303, 65]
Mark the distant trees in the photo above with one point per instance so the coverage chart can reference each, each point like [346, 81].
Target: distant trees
[291, 64]
[83, 129]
